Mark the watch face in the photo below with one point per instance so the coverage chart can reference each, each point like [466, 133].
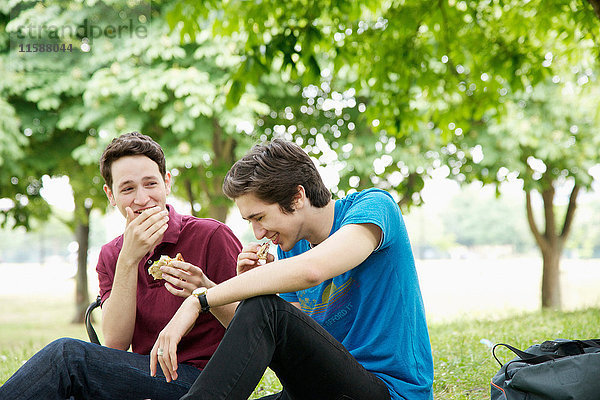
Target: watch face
[199, 291]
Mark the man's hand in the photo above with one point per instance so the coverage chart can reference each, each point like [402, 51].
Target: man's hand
[143, 232]
[248, 259]
[170, 336]
[182, 278]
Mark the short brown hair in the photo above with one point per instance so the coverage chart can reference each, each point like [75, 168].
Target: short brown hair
[272, 172]
[131, 144]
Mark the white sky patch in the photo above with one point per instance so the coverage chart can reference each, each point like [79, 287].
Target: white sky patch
[245, 126]
[536, 164]
[477, 154]
[6, 204]
[58, 192]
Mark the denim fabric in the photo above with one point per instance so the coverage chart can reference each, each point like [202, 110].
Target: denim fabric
[309, 362]
[70, 368]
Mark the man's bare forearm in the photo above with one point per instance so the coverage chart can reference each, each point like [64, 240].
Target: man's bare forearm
[225, 313]
[141, 234]
[119, 310]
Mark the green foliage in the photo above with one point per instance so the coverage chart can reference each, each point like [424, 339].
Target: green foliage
[382, 93]
[437, 79]
[548, 136]
[443, 62]
[10, 137]
[421, 84]
[165, 83]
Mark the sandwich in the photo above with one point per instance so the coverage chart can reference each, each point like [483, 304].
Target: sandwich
[154, 269]
[263, 251]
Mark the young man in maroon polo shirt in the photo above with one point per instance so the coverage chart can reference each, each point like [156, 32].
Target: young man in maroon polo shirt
[135, 306]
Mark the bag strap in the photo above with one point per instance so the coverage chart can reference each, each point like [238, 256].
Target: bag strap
[590, 343]
[528, 358]
[533, 359]
[550, 346]
[569, 347]
[523, 355]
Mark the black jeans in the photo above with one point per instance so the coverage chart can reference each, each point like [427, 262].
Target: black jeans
[309, 362]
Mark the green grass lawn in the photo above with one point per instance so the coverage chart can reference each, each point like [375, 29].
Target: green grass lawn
[463, 365]
[28, 324]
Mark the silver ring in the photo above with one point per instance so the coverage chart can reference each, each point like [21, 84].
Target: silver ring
[159, 352]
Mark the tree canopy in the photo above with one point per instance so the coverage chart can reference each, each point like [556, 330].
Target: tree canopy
[446, 81]
[385, 92]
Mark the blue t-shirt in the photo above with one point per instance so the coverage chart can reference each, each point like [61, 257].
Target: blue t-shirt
[375, 310]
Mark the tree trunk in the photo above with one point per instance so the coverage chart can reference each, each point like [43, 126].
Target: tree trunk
[224, 157]
[219, 212]
[211, 181]
[551, 293]
[596, 5]
[187, 183]
[82, 298]
[551, 242]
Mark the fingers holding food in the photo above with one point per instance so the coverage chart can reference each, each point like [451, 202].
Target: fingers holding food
[244, 265]
[252, 256]
[190, 274]
[177, 285]
[263, 252]
[164, 260]
[181, 277]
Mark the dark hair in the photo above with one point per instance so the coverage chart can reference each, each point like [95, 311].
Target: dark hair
[131, 144]
[272, 172]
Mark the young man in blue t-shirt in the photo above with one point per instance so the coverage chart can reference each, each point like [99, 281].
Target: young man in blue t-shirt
[353, 325]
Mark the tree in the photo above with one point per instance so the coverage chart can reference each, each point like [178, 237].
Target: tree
[41, 90]
[21, 196]
[549, 141]
[70, 106]
[177, 93]
[441, 77]
[387, 91]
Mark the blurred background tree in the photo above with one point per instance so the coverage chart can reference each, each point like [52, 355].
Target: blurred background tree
[383, 93]
[441, 79]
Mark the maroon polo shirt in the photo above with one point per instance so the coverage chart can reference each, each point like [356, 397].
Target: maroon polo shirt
[206, 243]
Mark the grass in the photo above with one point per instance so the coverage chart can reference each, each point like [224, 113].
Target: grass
[29, 323]
[463, 364]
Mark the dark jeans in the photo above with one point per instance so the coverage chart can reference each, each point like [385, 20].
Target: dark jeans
[309, 362]
[72, 368]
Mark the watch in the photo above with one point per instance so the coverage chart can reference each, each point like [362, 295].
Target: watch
[200, 293]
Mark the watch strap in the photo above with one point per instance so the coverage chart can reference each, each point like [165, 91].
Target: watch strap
[204, 306]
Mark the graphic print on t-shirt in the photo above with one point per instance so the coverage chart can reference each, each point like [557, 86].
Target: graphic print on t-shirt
[330, 305]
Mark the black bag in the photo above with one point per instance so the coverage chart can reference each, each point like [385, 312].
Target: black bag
[554, 370]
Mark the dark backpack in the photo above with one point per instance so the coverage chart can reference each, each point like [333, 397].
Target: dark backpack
[554, 370]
